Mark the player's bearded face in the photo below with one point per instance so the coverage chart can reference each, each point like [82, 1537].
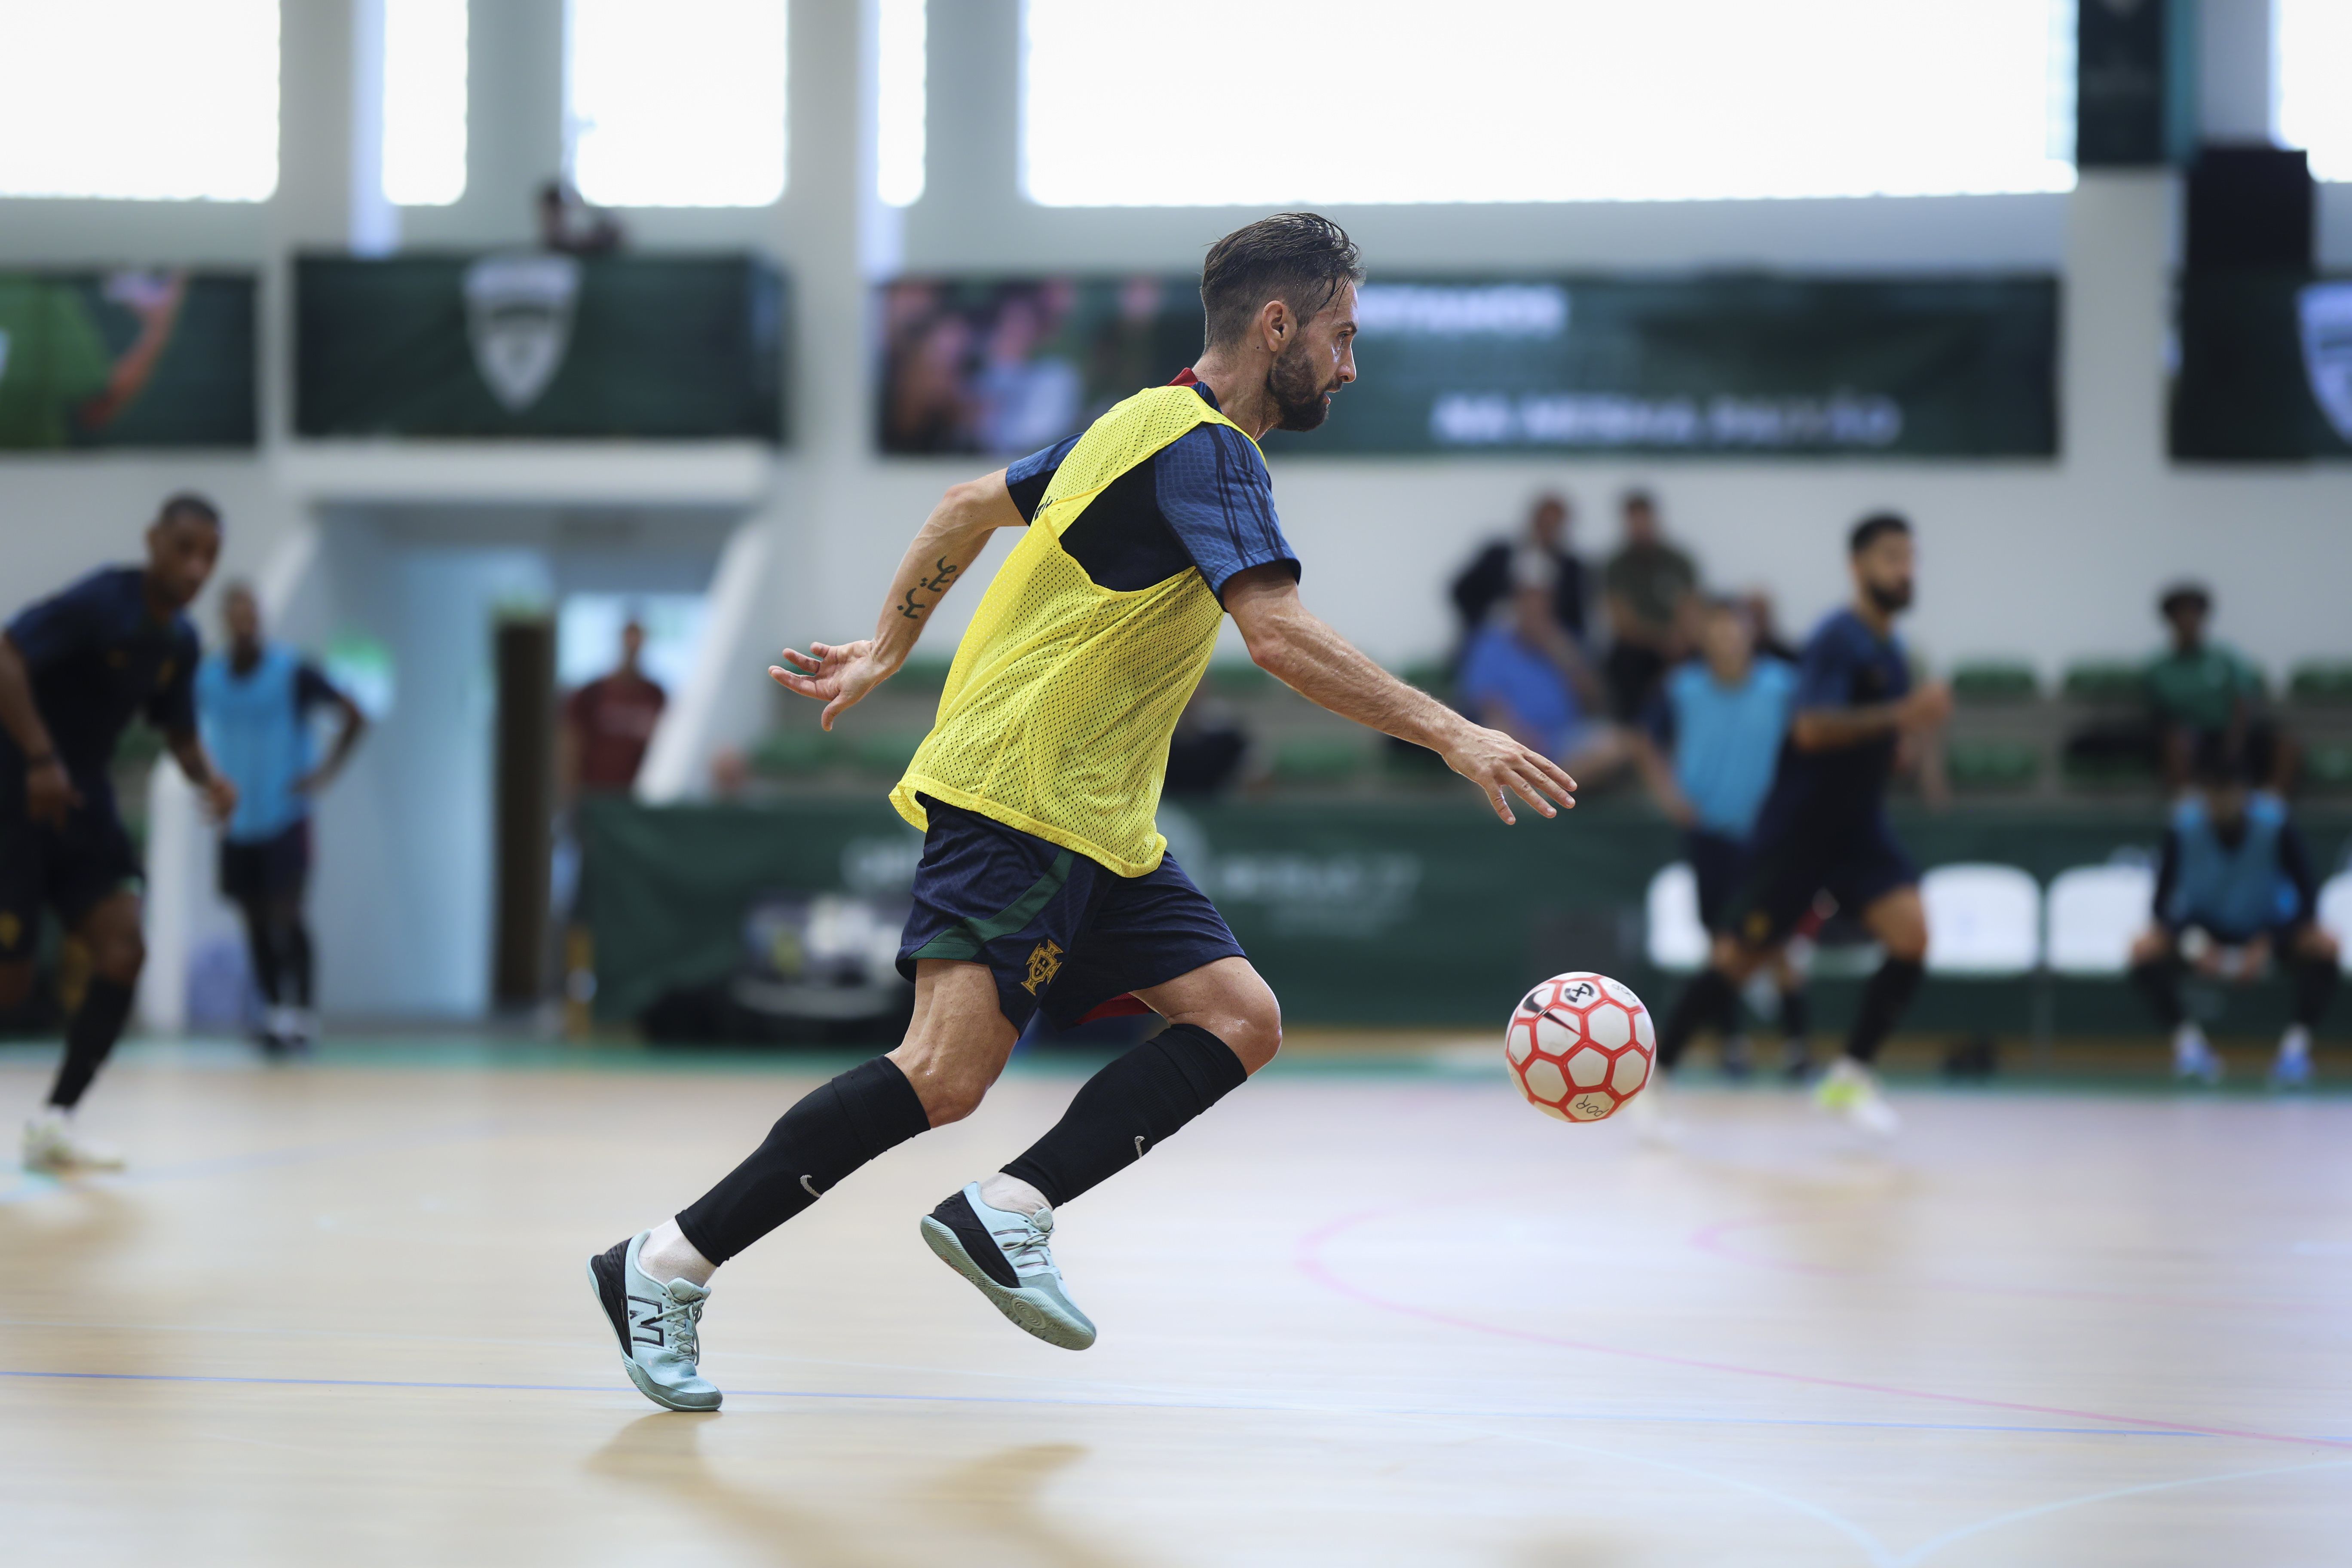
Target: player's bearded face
[1300, 389]
[1891, 594]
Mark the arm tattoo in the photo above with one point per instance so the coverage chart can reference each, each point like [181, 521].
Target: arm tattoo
[943, 574]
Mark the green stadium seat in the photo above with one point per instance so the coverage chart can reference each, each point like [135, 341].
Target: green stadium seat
[793, 753]
[1238, 678]
[884, 751]
[1992, 764]
[1319, 762]
[2108, 771]
[1995, 681]
[2328, 766]
[2321, 682]
[2105, 681]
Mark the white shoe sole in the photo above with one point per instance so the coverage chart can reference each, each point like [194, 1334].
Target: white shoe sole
[1024, 1309]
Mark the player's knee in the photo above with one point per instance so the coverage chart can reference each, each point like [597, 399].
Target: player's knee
[2150, 947]
[16, 985]
[1254, 1032]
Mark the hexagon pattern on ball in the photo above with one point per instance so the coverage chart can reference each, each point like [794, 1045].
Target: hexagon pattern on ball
[1579, 1046]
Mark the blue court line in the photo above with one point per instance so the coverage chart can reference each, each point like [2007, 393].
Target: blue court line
[1104, 1404]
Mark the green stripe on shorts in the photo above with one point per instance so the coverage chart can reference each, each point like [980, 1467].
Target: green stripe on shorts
[964, 941]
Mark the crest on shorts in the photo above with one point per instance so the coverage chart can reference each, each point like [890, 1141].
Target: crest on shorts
[1044, 962]
[11, 928]
[519, 320]
[2324, 311]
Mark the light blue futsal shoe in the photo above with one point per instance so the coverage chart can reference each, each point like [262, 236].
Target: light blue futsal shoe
[1008, 1255]
[661, 1349]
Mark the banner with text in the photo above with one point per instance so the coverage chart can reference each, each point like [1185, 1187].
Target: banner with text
[1744, 365]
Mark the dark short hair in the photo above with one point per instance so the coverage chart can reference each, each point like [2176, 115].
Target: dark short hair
[1866, 533]
[188, 503]
[1637, 496]
[2184, 594]
[1301, 259]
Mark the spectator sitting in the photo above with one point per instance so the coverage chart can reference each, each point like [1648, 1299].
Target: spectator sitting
[2235, 890]
[1521, 673]
[1648, 585]
[2201, 692]
[1538, 558]
[571, 226]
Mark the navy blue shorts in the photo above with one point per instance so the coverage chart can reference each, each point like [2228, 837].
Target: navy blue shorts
[1061, 933]
[72, 870]
[1857, 865]
[1719, 862]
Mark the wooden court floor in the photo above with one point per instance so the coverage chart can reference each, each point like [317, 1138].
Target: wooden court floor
[336, 1315]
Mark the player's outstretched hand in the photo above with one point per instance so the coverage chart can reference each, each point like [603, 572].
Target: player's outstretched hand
[838, 674]
[1502, 768]
[1929, 707]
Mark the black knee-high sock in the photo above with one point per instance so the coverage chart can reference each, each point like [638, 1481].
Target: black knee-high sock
[1701, 1004]
[1130, 1107]
[1796, 1014]
[1883, 1001]
[835, 1128]
[296, 939]
[261, 942]
[2314, 984]
[96, 1024]
[2158, 980]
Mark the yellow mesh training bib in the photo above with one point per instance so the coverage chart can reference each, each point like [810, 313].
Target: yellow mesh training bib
[1063, 693]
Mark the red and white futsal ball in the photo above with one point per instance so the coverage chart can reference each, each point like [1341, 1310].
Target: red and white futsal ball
[1580, 1045]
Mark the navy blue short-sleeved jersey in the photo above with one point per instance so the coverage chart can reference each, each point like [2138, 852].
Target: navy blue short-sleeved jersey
[1846, 665]
[97, 659]
[1204, 502]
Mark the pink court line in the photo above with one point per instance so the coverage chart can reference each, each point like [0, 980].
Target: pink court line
[1310, 1258]
[1710, 1239]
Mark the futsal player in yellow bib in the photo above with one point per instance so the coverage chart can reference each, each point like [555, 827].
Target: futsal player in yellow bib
[1044, 883]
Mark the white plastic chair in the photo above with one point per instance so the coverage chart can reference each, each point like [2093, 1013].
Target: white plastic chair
[2336, 914]
[2094, 912]
[1676, 939]
[1982, 919]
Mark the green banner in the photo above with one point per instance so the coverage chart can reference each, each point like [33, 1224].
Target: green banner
[2265, 368]
[1370, 912]
[538, 344]
[1739, 365]
[131, 357]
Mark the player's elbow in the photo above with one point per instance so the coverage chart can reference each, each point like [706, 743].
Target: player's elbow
[1808, 733]
[1270, 648]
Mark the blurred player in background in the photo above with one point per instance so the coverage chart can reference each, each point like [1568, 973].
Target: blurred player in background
[254, 702]
[2235, 892]
[1044, 884]
[75, 670]
[1823, 826]
[1721, 719]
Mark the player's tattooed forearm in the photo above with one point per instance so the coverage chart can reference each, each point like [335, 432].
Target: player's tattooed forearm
[943, 575]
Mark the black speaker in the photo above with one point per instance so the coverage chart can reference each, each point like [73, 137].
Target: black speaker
[2250, 208]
